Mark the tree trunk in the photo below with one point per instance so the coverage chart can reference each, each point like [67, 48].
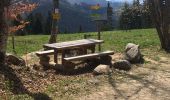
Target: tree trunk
[3, 29]
[160, 15]
[55, 29]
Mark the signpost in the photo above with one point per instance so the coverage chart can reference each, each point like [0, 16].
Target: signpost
[99, 23]
[97, 18]
[56, 16]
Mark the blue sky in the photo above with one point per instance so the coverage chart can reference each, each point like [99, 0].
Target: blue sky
[120, 0]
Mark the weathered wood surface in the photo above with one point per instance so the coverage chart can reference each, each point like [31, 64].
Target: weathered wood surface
[48, 52]
[88, 56]
[71, 44]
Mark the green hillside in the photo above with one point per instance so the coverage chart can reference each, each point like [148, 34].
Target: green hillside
[114, 40]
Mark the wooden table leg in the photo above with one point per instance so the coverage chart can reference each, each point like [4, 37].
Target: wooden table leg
[63, 55]
[56, 56]
[93, 48]
[84, 50]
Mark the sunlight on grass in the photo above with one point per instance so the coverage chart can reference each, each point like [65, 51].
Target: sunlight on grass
[113, 40]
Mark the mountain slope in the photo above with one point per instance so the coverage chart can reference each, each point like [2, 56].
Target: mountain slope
[74, 15]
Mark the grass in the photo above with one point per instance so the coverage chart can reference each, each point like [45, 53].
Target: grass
[62, 87]
[114, 40]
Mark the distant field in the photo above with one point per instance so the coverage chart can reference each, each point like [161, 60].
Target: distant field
[114, 40]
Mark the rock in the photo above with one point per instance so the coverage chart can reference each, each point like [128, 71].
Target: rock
[101, 69]
[44, 60]
[122, 65]
[106, 60]
[12, 59]
[129, 46]
[132, 53]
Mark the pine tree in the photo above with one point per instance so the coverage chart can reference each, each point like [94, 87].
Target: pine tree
[29, 27]
[125, 17]
[48, 23]
[146, 15]
[38, 28]
[80, 29]
[109, 17]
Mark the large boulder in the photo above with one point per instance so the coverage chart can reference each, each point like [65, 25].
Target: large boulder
[12, 59]
[122, 65]
[132, 53]
[102, 69]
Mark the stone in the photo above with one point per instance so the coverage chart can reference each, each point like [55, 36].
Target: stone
[122, 65]
[12, 59]
[132, 53]
[101, 69]
[106, 60]
[129, 46]
[44, 60]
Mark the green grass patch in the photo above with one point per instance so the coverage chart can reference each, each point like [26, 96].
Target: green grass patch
[113, 40]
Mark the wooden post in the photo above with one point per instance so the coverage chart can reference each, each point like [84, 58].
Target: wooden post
[99, 35]
[13, 43]
[55, 30]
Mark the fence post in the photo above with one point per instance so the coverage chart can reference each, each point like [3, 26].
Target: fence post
[85, 36]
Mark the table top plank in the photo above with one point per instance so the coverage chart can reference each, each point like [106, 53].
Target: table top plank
[76, 43]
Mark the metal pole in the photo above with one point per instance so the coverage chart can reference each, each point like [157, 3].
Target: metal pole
[54, 30]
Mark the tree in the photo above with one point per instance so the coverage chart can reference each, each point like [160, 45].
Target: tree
[38, 27]
[9, 9]
[125, 17]
[80, 29]
[160, 12]
[29, 27]
[146, 19]
[55, 29]
[48, 22]
[4, 4]
[135, 16]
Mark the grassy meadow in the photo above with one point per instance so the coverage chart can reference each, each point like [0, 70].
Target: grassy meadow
[113, 40]
[58, 86]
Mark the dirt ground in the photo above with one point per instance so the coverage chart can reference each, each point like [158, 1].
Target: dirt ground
[148, 81]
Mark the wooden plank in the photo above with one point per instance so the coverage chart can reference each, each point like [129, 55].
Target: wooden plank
[70, 44]
[48, 52]
[89, 56]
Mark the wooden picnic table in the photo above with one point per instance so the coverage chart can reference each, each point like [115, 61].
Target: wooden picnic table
[83, 45]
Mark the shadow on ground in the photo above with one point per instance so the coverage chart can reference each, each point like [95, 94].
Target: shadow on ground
[145, 83]
[16, 86]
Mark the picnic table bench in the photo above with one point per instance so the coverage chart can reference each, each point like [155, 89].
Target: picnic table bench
[81, 45]
[88, 56]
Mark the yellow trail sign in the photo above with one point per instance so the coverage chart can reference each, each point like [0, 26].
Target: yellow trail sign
[56, 16]
[95, 7]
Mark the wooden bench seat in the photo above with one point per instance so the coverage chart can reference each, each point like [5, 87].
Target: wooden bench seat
[48, 52]
[88, 56]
